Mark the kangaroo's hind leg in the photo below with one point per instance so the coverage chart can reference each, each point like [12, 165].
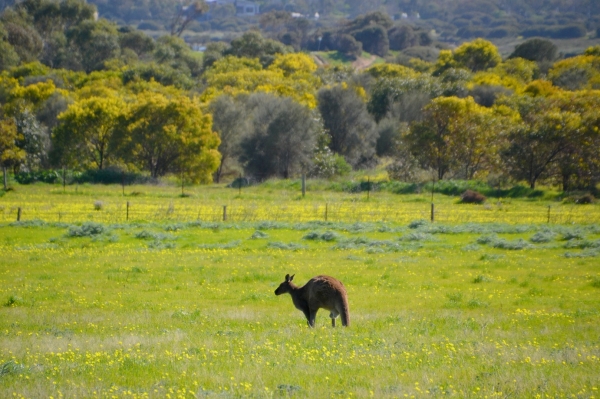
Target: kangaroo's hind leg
[334, 314]
[311, 319]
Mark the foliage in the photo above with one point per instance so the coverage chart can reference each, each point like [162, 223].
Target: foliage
[87, 229]
[477, 55]
[536, 49]
[170, 135]
[281, 137]
[86, 133]
[350, 127]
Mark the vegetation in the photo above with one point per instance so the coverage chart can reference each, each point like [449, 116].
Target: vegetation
[135, 105]
[188, 309]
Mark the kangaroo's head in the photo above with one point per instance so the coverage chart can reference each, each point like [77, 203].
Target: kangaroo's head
[286, 286]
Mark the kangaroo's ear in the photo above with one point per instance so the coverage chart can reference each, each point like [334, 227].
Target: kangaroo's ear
[287, 277]
[291, 278]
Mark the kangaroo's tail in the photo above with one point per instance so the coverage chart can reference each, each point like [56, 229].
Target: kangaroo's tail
[345, 311]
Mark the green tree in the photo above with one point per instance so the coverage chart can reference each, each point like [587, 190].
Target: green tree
[345, 118]
[170, 134]
[456, 135]
[94, 43]
[84, 137]
[281, 139]
[230, 122]
[536, 49]
[537, 143]
[10, 152]
[477, 55]
[252, 45]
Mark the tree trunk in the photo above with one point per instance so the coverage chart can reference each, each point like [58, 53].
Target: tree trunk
[5, 178]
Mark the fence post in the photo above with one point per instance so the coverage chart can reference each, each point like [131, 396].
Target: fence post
[548, 213]
[64, 179]
[224, 213]
[127, 217]
[303, 184]
[432, 212]
[19, 214]
[326, 211]
[59, 215]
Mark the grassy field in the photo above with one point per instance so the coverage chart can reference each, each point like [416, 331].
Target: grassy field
[186, 308]
[276, 201]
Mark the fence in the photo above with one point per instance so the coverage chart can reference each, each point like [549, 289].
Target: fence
[131, 211]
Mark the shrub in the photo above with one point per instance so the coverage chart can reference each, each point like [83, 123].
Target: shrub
[259, 235]
[542, 236]
[415, 224]
[87, 229]
[585, 199]
[472, 197]
[573, 235]
[288, 247]
[150, 25]
[227, 245]
[588, 253]
[418, 236]
[43, 176]
[511, 245]
[98, 205]
[316, 236]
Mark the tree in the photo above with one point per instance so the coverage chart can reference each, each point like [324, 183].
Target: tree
[252, 45]
[455, 135]
[94, 44]
[84, 136]
[347, 121]
[230, 122]
[185, 15]
[402, 37]
[281, 139]
[536, 49]
[10, 153]
[536, 144]
[170, 134]
[35, 141]
[477, 55]
[374, 40]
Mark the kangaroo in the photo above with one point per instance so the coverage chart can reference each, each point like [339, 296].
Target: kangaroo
[320, 292]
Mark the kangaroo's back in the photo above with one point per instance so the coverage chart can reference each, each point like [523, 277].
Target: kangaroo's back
[328, 293]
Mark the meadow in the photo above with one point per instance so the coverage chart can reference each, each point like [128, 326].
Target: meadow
[184, 307]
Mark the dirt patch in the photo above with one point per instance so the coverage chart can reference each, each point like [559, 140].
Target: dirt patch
[363, 63]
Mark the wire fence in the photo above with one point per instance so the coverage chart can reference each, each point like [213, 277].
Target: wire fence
[130, 211]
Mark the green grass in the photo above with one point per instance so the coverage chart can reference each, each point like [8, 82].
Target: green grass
[188, 310]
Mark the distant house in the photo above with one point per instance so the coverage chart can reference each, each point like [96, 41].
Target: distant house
[242, 7]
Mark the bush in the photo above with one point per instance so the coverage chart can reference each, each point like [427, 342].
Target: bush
[472, 197]
[415, 224]
[287, 247]
[87, 229]
[111, 176]
[44, 176]
[258, 235]
[542, 236]
[326, 236]
[585, 199]
[150, 25]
